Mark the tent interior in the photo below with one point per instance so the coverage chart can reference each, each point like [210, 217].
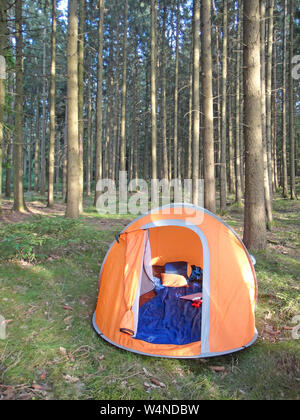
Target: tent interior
[172, 269]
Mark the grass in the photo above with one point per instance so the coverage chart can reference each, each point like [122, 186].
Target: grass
[49, 269]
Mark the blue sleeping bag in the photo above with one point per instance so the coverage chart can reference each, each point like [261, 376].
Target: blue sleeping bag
[167, 319]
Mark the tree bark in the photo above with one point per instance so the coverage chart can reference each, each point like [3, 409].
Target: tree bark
[238, 151]
[3, 24]
[255, 219]
[124, 95]
[223, 169]
[268, 200]
[176, 156]
[292, 107]
[208, 130]
[153, 87]
[196, 107]
[81, 37]
[89, 142]
[43, 143]
[164, 95]
[37, 146]
[52, 108]
[270, 26]
[99, 129]
[73, 197]
[284, 105]
[19, 204]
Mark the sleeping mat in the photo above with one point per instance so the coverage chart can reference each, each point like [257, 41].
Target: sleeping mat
[167, 319]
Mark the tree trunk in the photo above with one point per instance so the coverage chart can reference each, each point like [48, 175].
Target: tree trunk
[231, 149]
[124, 95]
[292, 106]
[274, 131]
[37, 146]
[81, 37]
[52, 108]
[269, 93]
[255, 219]
[164, 95]
[3, 24]
[238, 151]
[19, 204]
[284, 106]
[223, 169]
[89, 142]
[208, 130]
[196, 107]
[190, 136]
[73, 197]
[176, 156]
[65, 156]
[99, 130]
[153, 87]
[43, 144]
[268, 199]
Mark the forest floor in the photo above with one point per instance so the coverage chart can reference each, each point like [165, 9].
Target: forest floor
[49, 269]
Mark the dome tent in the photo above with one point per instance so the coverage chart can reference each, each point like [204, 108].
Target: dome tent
[224, 323]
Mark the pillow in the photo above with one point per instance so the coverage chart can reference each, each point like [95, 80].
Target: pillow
[173, 280]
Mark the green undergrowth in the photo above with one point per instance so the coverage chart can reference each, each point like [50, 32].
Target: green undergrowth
[49, 268]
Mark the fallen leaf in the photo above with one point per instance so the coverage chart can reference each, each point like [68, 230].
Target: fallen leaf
[68, 308]
[38, 387]
[217, 369]
[157, 383]
[63, 351]
[68, 320]
[71, 379]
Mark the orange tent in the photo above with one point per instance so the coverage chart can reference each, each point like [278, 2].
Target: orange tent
[176, 233]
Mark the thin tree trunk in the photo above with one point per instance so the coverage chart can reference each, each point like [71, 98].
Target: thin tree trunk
[231, 149]
[73, 198]
[208, 130]
[37, 145]
[65, 156]
[81, 36]
[238, 151]
[116, 129]
[219, 129]
[274, 131]
[19, 204]
[8, 168]
[190, 136]
[153, 87]
[223, 169]
[43, 144]
[284, 106]
[99, 129]
[268, 200]
[196, 107]
[30, 158]
[89, 142]
[124, 94]
[269, 93]
[52, 108]
[255, 219]
[176, 156]
[164, 95]
[3, 24]
[292, 107]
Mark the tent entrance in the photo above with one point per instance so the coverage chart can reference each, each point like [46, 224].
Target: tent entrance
[162, 317]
